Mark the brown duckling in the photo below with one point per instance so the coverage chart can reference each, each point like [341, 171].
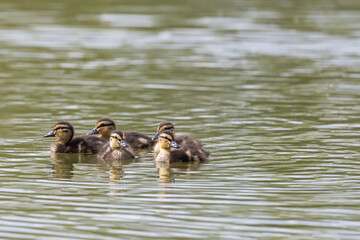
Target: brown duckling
[105, 126]
[181, 139]
[186, 153]
[67, 143]
[117, 148]
[192, 147]
[166, 141]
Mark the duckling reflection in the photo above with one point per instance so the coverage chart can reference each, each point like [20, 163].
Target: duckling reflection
[116, 173]
[63, 164]
[105, 126]
[190, 149]
[164, 172]
[167, 171]
[67, 143]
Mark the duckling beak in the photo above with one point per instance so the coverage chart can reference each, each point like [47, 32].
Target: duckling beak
[174, 144]
[93, 131]
[124, 144]
[156, 136]
[50, 134]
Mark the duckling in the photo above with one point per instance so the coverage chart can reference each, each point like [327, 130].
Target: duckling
[181, 139]
[193, 148]
[166, 141]
[186, 153]
[117, 148]
[105, 126]
[68, 144]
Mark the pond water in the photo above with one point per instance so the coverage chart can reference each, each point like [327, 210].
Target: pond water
[270, 87]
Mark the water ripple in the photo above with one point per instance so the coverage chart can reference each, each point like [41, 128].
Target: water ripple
[272, 92]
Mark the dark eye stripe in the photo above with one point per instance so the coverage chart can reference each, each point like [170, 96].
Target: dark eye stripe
[169, 139]
[105, 125]
[116, 138]
[168, 128]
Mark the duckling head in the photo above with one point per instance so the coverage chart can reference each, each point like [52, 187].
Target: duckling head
[63, 130]
[104, 127]
[167, 140]
[117, 140]
[163, 127]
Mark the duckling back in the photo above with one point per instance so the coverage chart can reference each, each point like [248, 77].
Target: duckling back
[189, 151]
[95, 144]
[107, 153]
[81, 144]
[138, 140]
[188, 140]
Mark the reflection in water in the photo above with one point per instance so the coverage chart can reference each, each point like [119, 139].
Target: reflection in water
[116, 173]
[63, 163]
[164, 172]
[167, 171]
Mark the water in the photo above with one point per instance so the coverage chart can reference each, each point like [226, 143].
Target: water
[270, 87]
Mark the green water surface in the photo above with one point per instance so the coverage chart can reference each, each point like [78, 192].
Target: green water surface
[270, 87]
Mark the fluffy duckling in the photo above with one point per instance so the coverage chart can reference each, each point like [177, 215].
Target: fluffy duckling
[186, 153]
[105, 126]
[117, 149]
[192, 147]
[166, 141]
[68, 144]
[181, 139]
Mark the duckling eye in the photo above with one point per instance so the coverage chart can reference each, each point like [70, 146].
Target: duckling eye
[115, 138]
[104, 125]
[166, 138]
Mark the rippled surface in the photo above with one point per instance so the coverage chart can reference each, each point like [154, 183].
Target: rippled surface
[270, 87]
